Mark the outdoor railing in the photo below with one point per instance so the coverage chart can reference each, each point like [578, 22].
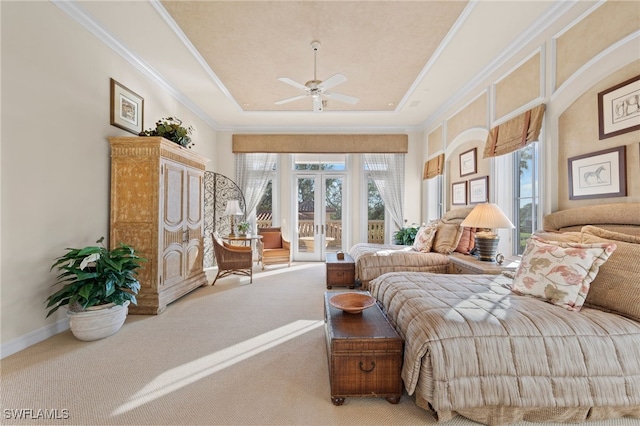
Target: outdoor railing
[375, 230]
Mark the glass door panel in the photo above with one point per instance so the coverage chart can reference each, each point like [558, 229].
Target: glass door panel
[319, 219]
[333, 214]
[307, 226]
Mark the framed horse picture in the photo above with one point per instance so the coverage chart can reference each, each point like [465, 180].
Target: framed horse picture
[599, 174]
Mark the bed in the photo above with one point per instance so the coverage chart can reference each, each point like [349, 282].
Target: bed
[476, 348]
[373, 260]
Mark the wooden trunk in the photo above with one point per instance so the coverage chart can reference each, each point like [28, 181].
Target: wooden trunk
[157, 207]
[364, 353]
[340, 272]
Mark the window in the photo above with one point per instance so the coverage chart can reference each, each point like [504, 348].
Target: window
[526, 194]
[320, 162]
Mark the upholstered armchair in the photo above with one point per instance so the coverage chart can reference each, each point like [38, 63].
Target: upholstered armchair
[273, 248]
[232, 259]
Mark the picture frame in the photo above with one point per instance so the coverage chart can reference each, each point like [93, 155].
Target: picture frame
[468, 163]
[459, 193]
[619, 109]
[599, 174]
[127, 108]
[479, 190]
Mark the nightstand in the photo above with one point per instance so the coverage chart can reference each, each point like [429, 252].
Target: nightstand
[466, 264]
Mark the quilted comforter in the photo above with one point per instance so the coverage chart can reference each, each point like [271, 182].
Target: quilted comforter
[474, 348]
[373, 260]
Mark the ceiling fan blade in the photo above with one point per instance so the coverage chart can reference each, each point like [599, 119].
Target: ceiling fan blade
[317, 104]
[293, 83]
[334, 80]
[295, 98]
[342, 98]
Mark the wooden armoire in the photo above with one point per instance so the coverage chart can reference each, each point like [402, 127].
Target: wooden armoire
[157, 196]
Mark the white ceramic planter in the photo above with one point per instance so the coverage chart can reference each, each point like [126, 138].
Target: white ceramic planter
[98, 322]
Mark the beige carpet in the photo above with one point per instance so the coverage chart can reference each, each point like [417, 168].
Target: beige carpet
[232, 354]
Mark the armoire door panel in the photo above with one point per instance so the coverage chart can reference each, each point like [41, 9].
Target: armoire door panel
[174, 175]
[195, 196]
[172, 265]
[194, 259]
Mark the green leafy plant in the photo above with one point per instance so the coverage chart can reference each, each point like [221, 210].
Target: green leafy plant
[94, 275]
[243, 227]
[171, 128]
[406, 235]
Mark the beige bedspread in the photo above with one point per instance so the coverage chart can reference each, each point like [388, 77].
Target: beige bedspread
[470, 342]
[373, 260]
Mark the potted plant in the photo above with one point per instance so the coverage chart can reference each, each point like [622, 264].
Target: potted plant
[406, 236]
[171, 128]
[243, 227]
[97, 286]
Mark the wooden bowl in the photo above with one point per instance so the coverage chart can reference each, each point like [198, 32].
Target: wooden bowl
[352, 303]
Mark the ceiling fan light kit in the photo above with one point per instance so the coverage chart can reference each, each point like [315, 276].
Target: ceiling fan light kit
[317, 89]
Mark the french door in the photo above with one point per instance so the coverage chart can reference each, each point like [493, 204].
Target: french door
[319, 216]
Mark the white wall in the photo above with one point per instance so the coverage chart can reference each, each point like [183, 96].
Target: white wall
[55, 153]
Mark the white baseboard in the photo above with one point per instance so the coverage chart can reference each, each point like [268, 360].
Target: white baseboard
[16, 345]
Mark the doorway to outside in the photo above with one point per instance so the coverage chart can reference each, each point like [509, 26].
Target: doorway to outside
[320, 192]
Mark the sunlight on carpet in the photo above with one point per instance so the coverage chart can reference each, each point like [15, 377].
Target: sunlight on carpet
[188, 373]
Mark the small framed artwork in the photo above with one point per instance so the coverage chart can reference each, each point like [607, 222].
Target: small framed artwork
[479, 190]
[619, 109]
[600, 174]
[459, 193]
[127, 108]
[468, 162]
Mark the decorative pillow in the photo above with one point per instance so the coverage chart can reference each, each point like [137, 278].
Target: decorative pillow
[271, 240]
[467, 240]
[424, 238]
[560, 272]
[447, 237]
[616, 288]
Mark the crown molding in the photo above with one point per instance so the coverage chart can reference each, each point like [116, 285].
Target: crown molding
[82, 17]
[551, 15]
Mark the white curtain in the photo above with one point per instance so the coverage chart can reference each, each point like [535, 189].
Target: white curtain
[387, 171]
[253, 172]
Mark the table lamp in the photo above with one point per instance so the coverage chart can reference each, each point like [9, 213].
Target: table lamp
[233, 209]
[485, 217]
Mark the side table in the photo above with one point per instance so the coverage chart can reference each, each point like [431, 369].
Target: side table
[340, 272]
[465, 264]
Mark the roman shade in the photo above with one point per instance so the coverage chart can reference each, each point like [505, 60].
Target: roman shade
[433, 167]
[319, 144]
[514, 134]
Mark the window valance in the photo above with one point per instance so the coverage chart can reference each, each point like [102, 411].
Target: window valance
[320, 144]
[433, 167]
[514, 134]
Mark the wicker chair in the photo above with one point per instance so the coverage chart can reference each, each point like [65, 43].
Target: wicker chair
[273, 248]
[232, 259]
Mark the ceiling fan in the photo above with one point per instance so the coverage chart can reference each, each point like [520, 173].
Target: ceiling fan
[317, 88]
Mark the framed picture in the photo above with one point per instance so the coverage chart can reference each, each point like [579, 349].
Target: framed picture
[479, 190]
[468, 162]
[598, 175]
[619, 108]
[127, 108]
[459, 193]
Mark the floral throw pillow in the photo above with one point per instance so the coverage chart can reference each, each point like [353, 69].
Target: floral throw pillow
[424, 238]
[560, 272]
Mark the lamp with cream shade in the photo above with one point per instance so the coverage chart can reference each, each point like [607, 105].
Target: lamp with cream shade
[233, 209]
[486, 217]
